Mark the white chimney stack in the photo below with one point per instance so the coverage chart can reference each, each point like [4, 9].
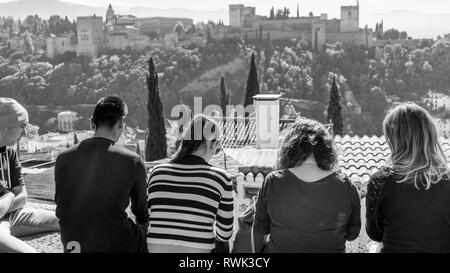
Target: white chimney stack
[267, 107]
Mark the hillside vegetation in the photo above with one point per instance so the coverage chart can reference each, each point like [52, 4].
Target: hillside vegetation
[288, 67]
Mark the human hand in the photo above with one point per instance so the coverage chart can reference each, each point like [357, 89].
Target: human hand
[3, 189]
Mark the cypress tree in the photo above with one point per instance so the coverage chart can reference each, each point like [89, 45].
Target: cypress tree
[252, 83]
[260, 32]
[138, 149]
[268, 52]
[75, 138]
[316, 41]
[334, 114]
[156, 146]
[224, 97]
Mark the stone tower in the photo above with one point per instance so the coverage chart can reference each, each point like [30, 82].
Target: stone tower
[109, 14]
[90, 35]
[236, 13]
[350, 18]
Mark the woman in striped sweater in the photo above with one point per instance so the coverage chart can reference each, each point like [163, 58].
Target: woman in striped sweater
[190, 201]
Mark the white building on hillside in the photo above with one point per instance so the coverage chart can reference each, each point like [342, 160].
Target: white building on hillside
[436, 101]
[59, 45]
[442, 126]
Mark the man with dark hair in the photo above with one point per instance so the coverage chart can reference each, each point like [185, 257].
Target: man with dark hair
[95, 181]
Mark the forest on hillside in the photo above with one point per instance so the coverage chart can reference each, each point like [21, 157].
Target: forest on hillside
[287, 66]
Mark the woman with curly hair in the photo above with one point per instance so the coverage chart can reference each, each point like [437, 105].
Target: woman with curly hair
[306, 205]
[408, 201]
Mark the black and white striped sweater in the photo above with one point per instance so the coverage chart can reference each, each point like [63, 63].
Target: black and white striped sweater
[190, 203]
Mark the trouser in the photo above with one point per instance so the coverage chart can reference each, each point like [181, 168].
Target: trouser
[24, 222]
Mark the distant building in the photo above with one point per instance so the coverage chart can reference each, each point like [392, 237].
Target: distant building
[59, 45]
[90, 35]
[350, 18]
[109, 14]
[442, 126]
[316, 29]
[154, 25]
[447, 37]
[66, 121]
[436, 101]
[122, 40]
[239, 14]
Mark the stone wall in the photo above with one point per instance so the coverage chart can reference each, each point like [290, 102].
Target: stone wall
[351, 38]
[59, 45]
[411, 44]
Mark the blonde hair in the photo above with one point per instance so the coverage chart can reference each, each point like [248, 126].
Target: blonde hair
[417, 156]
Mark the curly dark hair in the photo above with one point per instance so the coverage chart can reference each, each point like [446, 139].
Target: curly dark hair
[303, 138]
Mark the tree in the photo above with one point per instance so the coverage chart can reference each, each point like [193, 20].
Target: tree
[156, 146]
[224, 97]
[75, 138]
[138, 149]
[403, 35]
[260, 32]
[286, 12]
[252, 83]
[272, 13]
[179, 27]
[279, 14]
[379, 30]
[298, 12]
[311, 14]
[391, 34]
[334, 113]
[316, 40]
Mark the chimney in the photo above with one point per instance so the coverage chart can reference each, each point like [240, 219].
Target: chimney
[267, 108]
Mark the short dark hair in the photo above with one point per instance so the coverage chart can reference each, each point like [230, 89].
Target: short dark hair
[306, 137]
[108, 111]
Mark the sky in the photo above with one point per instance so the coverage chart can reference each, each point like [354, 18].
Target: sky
[263, 6]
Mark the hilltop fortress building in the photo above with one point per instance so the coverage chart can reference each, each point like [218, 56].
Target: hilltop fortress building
[128, 31]
[119, 32]
[316, 29]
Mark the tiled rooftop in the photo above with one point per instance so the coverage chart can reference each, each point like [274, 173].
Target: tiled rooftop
[238, 133]
[359, 157]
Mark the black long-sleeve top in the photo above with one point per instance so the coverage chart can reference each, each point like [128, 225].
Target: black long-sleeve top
[307, 216]
[407, 219]
[95, 181]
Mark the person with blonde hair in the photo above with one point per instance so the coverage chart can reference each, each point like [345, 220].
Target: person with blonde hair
[307, 205]
[408, 201]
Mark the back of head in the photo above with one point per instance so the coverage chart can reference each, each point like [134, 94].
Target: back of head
[108, 111]
[199, 130]
[417, 156]
[306, 137]
[12, 113]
